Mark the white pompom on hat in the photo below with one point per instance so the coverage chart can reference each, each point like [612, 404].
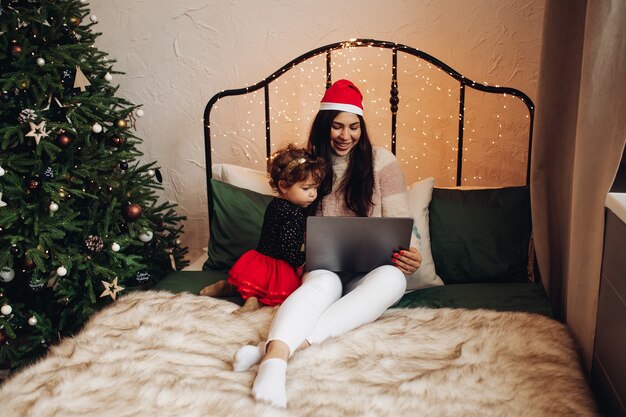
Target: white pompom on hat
[343, 95]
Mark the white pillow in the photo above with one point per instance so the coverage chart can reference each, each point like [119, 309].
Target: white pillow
[248, 178]
[420, 194]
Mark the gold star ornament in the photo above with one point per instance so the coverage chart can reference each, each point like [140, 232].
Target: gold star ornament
[37, 131]
[111, 288]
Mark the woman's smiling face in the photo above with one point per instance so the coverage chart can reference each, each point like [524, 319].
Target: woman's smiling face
[345, 132]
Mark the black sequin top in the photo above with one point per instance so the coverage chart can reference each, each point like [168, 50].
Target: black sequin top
[282, 234]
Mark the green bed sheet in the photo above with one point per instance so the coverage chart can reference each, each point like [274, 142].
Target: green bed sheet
[193, 282]
[510, 296]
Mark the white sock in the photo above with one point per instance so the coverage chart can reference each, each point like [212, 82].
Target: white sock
[269, 384]
[247, 356]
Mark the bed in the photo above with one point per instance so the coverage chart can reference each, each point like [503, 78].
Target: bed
[485, 343]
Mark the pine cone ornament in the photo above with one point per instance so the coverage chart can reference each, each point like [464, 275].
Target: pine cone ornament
[26, 115]
[94, 243]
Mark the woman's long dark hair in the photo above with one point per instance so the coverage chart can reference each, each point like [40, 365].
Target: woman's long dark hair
[358, 183]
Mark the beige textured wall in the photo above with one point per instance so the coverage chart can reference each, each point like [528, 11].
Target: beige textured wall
[177, 54]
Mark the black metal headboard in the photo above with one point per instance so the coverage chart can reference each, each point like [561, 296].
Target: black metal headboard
[393, 98]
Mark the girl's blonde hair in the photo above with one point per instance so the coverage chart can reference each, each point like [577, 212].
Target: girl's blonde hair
[293, 164]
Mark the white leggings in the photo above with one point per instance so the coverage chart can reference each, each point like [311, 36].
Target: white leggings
[317, 311]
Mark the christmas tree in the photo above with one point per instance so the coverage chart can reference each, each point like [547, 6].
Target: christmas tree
[80, 221]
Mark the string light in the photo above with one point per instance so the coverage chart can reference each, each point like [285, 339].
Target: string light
[429, 107]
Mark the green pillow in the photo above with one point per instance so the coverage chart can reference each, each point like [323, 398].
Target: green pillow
[480, 235]
[235, 224]
[501, 296]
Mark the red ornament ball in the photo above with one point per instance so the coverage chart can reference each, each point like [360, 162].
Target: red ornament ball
[64, 140]
[33, 184]
[15, 49]
[28, 263]
[116, 141]
[133, 211]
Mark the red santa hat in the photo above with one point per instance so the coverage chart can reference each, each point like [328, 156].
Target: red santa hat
[343, 95]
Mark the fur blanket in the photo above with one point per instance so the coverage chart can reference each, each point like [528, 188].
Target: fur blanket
[159, 354]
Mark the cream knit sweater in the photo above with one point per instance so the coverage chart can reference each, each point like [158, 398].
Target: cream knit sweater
[390, 196]
[390, 199]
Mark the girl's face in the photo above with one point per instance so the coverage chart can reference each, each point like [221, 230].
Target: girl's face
[302, 193]
[345, 132]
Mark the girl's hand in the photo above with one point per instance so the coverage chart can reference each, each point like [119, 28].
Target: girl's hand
[407, 260]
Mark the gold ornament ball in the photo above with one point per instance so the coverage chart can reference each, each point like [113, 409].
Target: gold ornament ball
[133, 211]
[74, 21]
[121, 123]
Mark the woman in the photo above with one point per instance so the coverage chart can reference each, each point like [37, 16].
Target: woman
[361, 181]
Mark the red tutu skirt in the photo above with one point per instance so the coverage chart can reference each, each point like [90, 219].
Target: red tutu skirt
[269, 279]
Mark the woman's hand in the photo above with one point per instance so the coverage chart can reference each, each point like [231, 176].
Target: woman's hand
[407, 260]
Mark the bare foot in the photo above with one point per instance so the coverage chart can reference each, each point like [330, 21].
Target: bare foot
[251, 304]
[219, 289]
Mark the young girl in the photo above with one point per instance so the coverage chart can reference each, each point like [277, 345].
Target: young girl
[271, 272]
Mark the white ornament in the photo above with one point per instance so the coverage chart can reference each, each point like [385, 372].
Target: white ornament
[96, 128]
[151, 172]
[139, 113]
[93, 18]
[146, 236]
[53, 207]
[6, 274]
[6, 309]
[115, 247]
[108, 77]
[2, 171]
[32, 321]
[61, 271]
[41, 62]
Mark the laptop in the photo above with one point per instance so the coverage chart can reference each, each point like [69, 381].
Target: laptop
[354, 244]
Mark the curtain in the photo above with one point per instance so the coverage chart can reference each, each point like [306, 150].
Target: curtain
[579, 138]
